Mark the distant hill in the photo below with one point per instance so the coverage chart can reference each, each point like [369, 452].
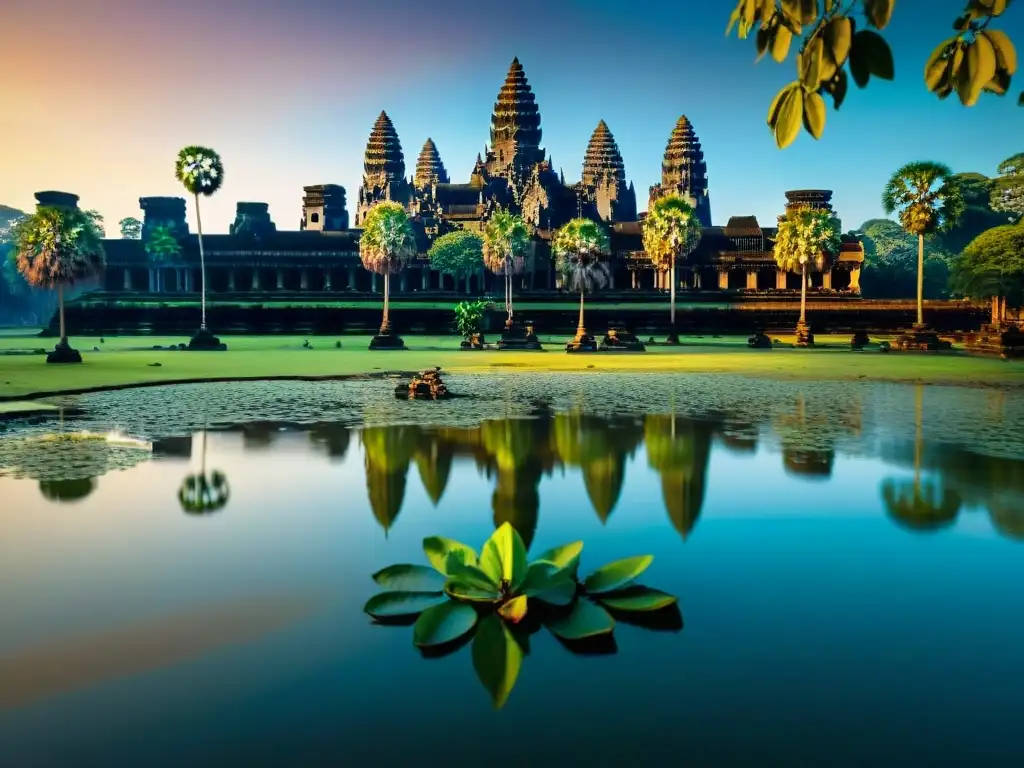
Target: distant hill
[7, 215]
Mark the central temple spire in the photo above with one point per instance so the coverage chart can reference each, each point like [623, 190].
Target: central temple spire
[383, 161]
[515, 124]
[602, 157]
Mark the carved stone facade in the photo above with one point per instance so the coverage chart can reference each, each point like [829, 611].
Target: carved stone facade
[684, 172]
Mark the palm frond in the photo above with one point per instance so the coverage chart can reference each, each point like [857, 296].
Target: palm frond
[387, 243]
[200, 170]
[57, 246]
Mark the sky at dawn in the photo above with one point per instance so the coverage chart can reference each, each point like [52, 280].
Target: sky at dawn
[97, 97]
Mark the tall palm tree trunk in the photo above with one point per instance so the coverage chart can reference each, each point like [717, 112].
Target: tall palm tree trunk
[672, 301]
[60, 312]
[803, 294]
[202, 268]
[581, 330]
[385, 325]
[920, 280]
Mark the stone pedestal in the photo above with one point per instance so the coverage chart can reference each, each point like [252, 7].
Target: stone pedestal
[582, 342]
[516, 336]
[922, 339]
[63, 353]
[621, 340]
[804, 337]
[476, 341]
[860, 340]
[386, 339]
[204, 341]
[760, 340]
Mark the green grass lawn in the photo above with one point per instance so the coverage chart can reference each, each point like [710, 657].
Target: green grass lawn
[129, 360]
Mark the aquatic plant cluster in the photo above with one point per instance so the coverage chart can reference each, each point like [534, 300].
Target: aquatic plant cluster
[492, 594]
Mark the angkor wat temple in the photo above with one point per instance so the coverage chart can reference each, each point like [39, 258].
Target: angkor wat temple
[515, 172]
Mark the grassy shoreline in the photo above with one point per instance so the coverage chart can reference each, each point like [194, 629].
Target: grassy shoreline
[130, 361]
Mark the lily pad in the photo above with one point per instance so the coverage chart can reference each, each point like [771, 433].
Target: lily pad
[586, 620]
[566, 556]
[443, 623]
[389, 605]
[637, 599]
[437, 549]
[497, 659]
[410, 578]
[547, 582]
[617, 574]
[514, 610]
[468, 575]
[505, 554]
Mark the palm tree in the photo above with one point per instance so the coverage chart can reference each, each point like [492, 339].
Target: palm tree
[580, 248]
[927, 199]
[805, 235]
[201, 493]
[55, 247]
[201, 172]
[505, 241]
[385, 248]
[671, 232]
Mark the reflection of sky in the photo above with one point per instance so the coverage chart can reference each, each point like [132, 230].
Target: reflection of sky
[806, 609]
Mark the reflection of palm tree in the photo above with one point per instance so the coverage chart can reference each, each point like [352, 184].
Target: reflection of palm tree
[67, 491]
[434, 462]
[808, 462]
[801, 456]
[920, 506]
[333, 436]
[679, 450]
[387, 452]
[1007, 517]
[202, 493]
[516, 446]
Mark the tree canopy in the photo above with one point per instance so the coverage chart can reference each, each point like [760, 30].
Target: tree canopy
[162, 245]
[506, 239]
[387, 243]
[457, 252]
[925, 197]
[806, 236]
[671, 230]
[831, 49]
[131, 228]
[57, 246]
[580, 248]
[200, 170]
[1008, 188]
[993, 265]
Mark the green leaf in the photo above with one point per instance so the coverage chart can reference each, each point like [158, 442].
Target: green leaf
[460, 591]
[497, 658]
[566, 556]
[789, 117]
[388, 605]
[780, 43]
[505, 553]
[437, 549]
[811, 64]
[469, 575]
[814, 114]
[586, 620]
[410, 578]
[443, 623]
[549, 583]
[617, 574]
[1020, 99]
[879, 12]
[514, 610]
[838, 37]
[637, 599]
[870, 55]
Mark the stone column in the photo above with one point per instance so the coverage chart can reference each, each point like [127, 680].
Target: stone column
[632, 275]
[826, 280]
[611, 281]
[152, 280]
[303, 280]
[232, 286]
[280, 279]
[127, 279]
[327, 279]
[373, 283]
[424, 278]
[723, 280]
[403, 282]
[855, 280]
[751, 279]
[780, 280]
[351, 278]
[696, 279]
[256, 279]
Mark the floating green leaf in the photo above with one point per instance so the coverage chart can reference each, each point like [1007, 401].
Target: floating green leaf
[566, 556]
[586, 620]
[514, 610]
[617, 574]
[637, 599]
[443, 623]
[437, 549]
[549, 583]
[459, 591]
[410, 578]
[505, 554]
[468, 575]
[497, 658]
[389, 605]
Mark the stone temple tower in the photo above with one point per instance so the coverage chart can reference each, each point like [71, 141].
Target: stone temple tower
[604, 178]
[323, 208]
[163, 212]
[383, 169]
[684, 172]
[429, 168]
[515, 127]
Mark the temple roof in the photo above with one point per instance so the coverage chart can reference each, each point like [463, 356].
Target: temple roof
[515, 113]
[384, 160]
[458, 194]
[743, 226]
[602, 157]
[429, 168]
[684, 157]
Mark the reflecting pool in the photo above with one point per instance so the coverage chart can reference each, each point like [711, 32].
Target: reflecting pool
[183, 573]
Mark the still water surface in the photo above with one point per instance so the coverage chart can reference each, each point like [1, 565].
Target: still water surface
[847, 560]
